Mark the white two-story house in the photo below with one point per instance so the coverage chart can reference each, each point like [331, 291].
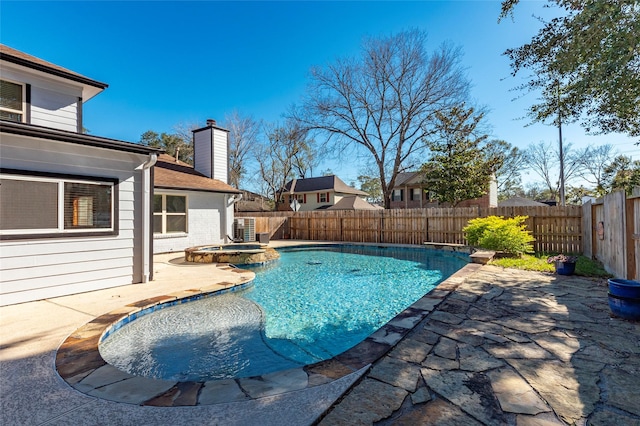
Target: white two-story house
[76, 211]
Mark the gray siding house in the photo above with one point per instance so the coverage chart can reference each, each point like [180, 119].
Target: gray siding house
[76, 211]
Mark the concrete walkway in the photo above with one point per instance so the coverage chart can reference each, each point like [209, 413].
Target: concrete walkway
[32, 392]
[507, 348]
[501, 347]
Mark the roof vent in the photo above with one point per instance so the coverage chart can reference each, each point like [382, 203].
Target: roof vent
[211, 122]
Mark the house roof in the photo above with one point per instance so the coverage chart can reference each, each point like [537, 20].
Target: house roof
[519, 201]
[353, 202]
[408, 178]
[30, 130]
[322, 183]
[170, 173]
[90, 87]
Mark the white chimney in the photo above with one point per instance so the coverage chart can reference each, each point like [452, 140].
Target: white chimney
[211, 151]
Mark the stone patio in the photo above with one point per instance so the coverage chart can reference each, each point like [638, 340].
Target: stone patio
[506, 347]
[494, 347]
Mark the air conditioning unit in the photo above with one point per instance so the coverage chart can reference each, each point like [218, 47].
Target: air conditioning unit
[244, 228]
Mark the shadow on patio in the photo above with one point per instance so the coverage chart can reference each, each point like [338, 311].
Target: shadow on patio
[507, 347]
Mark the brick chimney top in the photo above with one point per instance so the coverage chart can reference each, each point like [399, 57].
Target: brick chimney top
[211, 122]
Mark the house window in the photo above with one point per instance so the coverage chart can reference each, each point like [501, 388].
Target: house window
[302, 198]
[416, 194]
[169, 214]
[324, 197]
[87, 205]
[12, 101]
[32, 205]
[398, 194]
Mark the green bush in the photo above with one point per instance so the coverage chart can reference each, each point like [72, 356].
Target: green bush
[500, 234]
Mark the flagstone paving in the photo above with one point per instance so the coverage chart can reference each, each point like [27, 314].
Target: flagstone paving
[506, 347]
[487, 347]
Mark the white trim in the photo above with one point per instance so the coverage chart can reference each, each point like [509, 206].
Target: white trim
[164, 214]
[22, 112]
[147, 217]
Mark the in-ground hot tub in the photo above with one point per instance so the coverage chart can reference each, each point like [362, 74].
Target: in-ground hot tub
[237, 254]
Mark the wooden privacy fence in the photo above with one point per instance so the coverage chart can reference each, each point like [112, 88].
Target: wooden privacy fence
[612, 233]
[556, 229]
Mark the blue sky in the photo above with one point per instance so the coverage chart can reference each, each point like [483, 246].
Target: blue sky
[170, 62]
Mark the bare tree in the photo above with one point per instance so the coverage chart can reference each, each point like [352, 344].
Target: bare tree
[306, 158]
[594, 163]
[385, 100]
[243, 135]
[544, 160]
[281, 157]
[508, 172]
[185, 132]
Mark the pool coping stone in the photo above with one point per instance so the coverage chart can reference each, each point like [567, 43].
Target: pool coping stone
[79, 363]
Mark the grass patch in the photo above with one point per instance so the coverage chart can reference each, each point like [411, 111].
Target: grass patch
[591, 268]
[538, 262]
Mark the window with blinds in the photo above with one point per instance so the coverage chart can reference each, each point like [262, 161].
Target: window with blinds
[12, 97]
[87, 206]
[43, 205]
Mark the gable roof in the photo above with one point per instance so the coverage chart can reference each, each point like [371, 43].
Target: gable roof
[353, 202]
[402, 177]
[90, 87]
[170, 173]
[321, 183]
[409, 178]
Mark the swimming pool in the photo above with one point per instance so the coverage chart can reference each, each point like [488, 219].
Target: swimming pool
[310, 305]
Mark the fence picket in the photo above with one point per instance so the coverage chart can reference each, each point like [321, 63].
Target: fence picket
[556, 229]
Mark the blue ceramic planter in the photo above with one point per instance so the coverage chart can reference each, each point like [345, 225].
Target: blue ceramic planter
[624, 288]
[565, 268]
[624, 307]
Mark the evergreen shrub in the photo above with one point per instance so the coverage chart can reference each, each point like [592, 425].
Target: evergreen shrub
[500, 234]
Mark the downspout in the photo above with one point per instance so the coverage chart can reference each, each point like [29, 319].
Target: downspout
[147, 218]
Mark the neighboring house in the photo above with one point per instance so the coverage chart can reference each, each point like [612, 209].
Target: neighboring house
[191, 207]
[316, 193]
[410, 192]
[354, 202]
[521, 202]
[75, 209]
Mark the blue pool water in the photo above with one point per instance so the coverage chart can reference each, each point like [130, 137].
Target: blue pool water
[310, 305]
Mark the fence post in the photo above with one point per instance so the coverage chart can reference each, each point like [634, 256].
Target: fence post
[426, 225]
[631, 249]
